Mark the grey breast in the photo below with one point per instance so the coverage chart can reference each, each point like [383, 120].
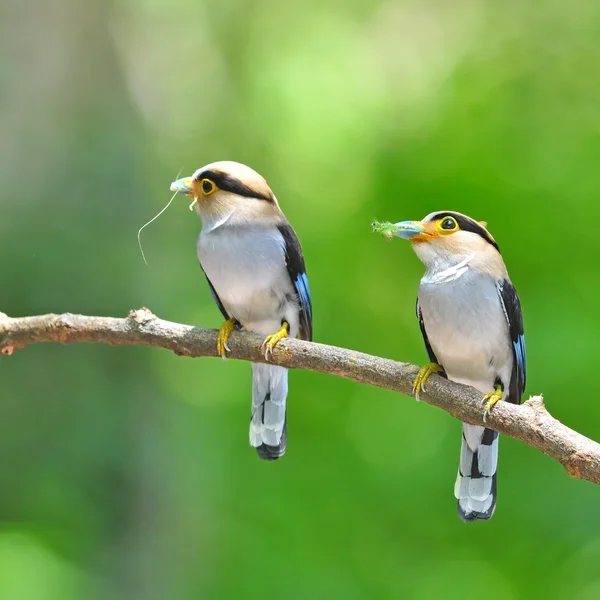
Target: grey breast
[247, 268]
[467, 329]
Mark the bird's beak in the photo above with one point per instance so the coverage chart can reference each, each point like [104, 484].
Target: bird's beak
[408, 229]
[183, 186]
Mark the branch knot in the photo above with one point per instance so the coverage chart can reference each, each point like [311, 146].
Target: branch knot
[142, 315]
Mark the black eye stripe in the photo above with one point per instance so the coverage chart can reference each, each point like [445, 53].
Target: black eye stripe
[231, 184]
[467, 224]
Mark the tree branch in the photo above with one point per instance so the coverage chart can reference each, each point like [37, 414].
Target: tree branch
[531, 422]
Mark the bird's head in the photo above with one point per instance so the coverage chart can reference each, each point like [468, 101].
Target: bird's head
[445, 238]
[228, 192]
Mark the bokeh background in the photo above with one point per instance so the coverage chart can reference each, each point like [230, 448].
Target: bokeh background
[125, 473]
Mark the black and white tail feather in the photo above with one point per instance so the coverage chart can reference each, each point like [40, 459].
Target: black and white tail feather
[268, 427]
[475, 486]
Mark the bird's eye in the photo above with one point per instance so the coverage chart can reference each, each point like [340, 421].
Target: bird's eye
[208, 186]
[448, 224]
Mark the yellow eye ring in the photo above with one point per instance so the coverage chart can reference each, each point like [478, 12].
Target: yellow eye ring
[447, 225]
[208, 187]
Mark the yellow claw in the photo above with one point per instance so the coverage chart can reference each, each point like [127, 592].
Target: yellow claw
[272, 340]
[423, 376]
[223, 337]
[490, 400]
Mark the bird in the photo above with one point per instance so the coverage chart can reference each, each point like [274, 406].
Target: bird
[254, 265]
[472, 325]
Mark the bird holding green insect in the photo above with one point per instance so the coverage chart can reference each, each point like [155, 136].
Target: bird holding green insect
[470, 318]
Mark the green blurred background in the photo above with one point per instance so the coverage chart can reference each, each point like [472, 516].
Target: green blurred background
[126, 472]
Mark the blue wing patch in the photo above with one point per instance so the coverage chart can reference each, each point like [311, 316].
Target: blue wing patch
[303, 290]
[514, 317]
[520, 355]
[294, 262]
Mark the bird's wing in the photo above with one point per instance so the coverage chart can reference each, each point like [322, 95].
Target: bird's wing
[430, 352]
[294, 262]
[514, 317]
[216, 297]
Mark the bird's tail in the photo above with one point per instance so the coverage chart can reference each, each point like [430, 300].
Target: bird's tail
[475, 486]
[268, 429]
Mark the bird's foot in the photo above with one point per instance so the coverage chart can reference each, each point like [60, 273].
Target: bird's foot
[272, 340]
[223, 337]
[490, 400]
[423, 376]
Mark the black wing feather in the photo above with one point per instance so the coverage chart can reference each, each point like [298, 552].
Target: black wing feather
[297, 271]
[430, 352]
[216, 297]
[514, 317]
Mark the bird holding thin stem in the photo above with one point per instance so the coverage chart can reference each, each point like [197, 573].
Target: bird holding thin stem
[254, 265]
[471, 321]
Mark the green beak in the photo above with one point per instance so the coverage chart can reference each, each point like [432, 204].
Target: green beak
[408, 229]
[182, 186]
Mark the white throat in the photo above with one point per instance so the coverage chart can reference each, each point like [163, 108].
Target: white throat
[451, 273]
[212, 222]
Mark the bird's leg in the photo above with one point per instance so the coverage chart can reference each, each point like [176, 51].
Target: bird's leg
[491, 399]
[223, 336]
[423, 376]
[272, 340]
